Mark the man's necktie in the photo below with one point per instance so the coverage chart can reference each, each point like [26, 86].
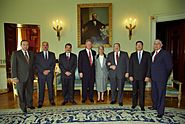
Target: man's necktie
[117, 57]
[68, 57]
[90, 57]
[155, 56]
[139, 57]
[26, 56]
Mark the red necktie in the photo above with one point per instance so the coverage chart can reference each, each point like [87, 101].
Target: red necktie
[155, 56]
[90, 58]
[117, 57]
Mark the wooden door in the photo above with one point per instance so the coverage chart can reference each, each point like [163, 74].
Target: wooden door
[172, 34]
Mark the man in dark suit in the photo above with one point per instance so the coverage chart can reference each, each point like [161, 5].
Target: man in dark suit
[92, 29]
[161, 68]
[22, 74]
[86, 68]
[139, 71]
[68, 64]
[45, 64]
[118, 67]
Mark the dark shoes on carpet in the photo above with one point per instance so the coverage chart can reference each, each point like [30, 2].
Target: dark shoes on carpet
[31, 107]
[112, 102]
[52, 103]
[39, 106]
[159, 116]
[151, 108]
[120, 104]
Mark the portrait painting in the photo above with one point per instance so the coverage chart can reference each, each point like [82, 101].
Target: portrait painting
[95, 23]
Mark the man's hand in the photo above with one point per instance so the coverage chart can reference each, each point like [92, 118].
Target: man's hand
[131, 78]
[126, 75]
[147, 79]
[81, 75]
[108, 63]
[67, 73]
[16, 80]
[46, 72]
[113, 67]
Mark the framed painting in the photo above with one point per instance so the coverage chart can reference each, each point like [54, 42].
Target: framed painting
[95, 23]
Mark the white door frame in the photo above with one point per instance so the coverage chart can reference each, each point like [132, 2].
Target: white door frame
[160, 18]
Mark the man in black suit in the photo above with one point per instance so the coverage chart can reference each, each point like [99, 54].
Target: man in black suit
[45, 64]
[22, 75]
[68, 64]
[118, 67]
[86, 68]
[92, 29]
[139, 71]
[161, 68]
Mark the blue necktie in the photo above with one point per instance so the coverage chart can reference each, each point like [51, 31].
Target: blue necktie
[139, 57]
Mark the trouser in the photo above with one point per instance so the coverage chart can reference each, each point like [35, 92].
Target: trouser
[138, 87]
[158, 96]
[117, 84]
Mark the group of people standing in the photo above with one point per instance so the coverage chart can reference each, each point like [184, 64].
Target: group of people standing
[140, 68]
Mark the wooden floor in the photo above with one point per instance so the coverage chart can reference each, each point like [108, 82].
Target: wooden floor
[7, 100]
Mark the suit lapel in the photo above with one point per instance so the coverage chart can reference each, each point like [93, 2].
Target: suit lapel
[22, 55]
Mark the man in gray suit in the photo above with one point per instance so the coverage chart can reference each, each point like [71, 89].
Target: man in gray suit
[22, 74]
[118, 66]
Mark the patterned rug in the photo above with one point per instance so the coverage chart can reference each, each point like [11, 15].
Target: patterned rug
[103, 114]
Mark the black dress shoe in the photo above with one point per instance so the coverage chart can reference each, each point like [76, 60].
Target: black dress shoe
[142, 109]
[24, 111]
[64, 102]
[53, 103]
[91, 100]
[112, 102]
[151, 108]
[120, 104]
[83, 101]
[159, 116]
[98, 100]
[73, 102]
[102, 100]
[133, 107]
[31, 107]
[39, 106]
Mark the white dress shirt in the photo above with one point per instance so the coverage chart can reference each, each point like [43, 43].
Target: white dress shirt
[88, 54]
[26, 52]
[101, 57]
[156, 52]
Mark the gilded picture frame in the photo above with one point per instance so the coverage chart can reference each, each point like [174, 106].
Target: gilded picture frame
[94, 22]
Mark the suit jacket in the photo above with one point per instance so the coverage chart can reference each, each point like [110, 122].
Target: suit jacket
[121, 68]
[67, 65]
[43, 64]
[162, 66]
[21, 69]
[142, 70]
[84, 64]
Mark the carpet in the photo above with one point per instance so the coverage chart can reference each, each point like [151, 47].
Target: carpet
[79, 114]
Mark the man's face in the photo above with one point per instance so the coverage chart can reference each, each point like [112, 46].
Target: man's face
[94, 16]
[157, 45]
[116, 48]
[88, 45]
[45, 46]
[139, 47]
[68, 49]
[25, 45]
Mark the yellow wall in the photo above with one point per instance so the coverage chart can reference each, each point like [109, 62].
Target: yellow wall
[43, 12]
